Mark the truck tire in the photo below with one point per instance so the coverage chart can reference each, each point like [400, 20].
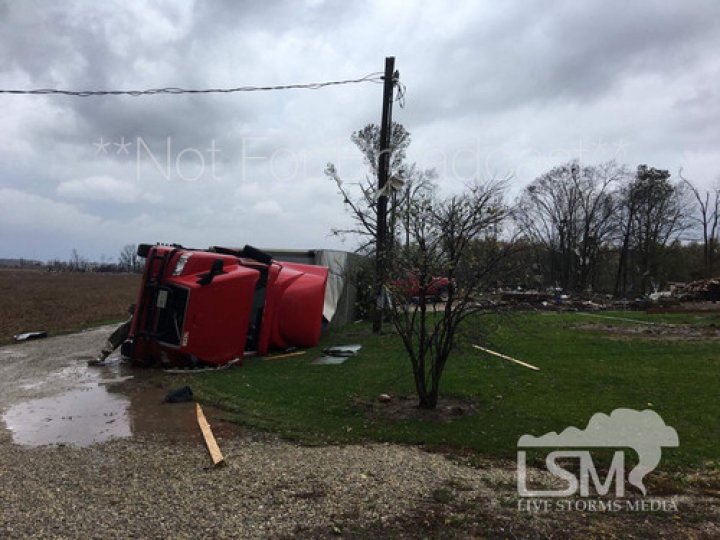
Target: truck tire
[443, 294]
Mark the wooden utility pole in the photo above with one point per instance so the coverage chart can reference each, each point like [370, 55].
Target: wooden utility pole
[383, 166]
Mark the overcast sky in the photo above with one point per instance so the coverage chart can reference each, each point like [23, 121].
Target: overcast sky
[493, 88]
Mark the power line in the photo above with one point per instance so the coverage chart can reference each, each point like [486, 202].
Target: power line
[372, 77]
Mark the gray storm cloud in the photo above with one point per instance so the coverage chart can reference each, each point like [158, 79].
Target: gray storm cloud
[492, 89]
[643, 431]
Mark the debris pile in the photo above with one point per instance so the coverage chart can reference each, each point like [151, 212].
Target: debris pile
[707, 290]
[553, 299]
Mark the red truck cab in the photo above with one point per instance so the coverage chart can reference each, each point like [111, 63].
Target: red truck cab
[216, 305]
[409, 287]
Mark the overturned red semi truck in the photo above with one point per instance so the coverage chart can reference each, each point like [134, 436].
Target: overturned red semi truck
[212, 306]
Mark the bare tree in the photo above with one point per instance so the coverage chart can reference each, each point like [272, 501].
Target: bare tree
[570, 211]
[654, 213]
[128, 259]
[368, 141]
[77, 263]
[413, 183]
[360, 197]
[442, 233]
[707, 217]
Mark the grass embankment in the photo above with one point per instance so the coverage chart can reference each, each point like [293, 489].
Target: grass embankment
[34, 300]
[585, 369]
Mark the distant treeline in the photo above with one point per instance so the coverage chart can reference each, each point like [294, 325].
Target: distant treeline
[529, 266]
[589, 229]
[21, 263]
[607, 229]
[127, 261]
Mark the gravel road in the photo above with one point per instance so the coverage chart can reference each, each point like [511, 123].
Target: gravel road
[157, 489]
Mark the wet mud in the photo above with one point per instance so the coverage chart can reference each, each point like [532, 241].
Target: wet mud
[50, 396]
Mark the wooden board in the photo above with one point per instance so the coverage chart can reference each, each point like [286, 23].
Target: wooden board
[509, 358]
[285, 355]
[210, 441]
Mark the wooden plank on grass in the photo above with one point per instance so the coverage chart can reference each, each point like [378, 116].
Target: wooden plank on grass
[286, 355]
[210, 441]
[509, 358]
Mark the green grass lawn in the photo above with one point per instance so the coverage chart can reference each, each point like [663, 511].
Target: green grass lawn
[583, 371]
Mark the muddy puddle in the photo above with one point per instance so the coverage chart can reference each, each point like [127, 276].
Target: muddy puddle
[80, 405]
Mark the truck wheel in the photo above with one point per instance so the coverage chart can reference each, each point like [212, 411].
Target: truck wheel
[443, 294]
